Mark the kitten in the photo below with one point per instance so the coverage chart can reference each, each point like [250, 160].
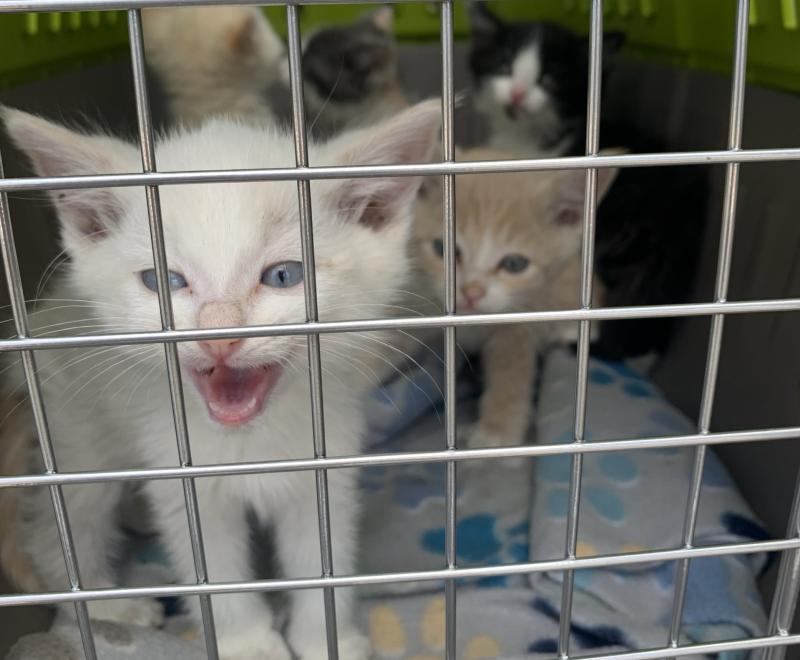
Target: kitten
[350, 73]
[214, 61]
[532, 81]
[517, 249]
[234, 258]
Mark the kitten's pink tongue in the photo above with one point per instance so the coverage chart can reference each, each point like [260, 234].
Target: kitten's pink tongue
[235, 396]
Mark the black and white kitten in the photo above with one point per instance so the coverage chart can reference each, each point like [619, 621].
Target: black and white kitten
[350, 73]
[532, 81]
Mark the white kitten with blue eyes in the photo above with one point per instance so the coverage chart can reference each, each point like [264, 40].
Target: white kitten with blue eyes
[235, 259]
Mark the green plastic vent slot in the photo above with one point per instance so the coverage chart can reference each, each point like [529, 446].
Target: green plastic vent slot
[686, 33]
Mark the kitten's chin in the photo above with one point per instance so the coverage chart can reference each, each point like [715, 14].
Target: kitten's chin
[234, 396]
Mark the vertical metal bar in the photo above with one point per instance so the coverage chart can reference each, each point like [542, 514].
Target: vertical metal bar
[147, 147]
[314, 360]
[717, 321]
[584, 329]
[449, 219]
[787, 586]
[17, 297]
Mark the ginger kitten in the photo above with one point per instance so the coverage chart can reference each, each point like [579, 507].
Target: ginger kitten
[214, 61]
[518, 239]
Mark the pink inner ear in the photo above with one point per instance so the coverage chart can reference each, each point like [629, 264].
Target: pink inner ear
[374, 215]
[90, 212]
[568, 216]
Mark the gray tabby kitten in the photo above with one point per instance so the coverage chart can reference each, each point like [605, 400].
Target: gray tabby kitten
[351, 75]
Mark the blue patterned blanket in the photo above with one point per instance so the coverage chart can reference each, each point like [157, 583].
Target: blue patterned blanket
[513, 511]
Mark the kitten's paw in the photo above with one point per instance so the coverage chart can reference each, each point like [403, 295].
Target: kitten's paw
[263, 644]
[481, 437]
[352, 646]
[136, 611]
[355, 646]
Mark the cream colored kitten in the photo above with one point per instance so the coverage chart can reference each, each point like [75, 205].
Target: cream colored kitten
[518, 240]
[214, 60]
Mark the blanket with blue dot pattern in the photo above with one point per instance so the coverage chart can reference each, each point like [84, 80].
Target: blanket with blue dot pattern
[513, 511]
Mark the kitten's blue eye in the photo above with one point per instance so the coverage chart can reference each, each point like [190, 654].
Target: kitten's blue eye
[514, 263]
[283, 275]
[176, 280]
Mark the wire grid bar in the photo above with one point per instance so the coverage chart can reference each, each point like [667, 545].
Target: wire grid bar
[736, 119]
[17, 297]
[312, 315]
[787, 586]
[713, 157]
[404, 458]
[147, 148]
[449, 235]
[366, 325]
[584, 327]
[731, 157]
[432, 575]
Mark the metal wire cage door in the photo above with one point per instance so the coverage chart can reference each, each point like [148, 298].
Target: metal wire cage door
[778, 636]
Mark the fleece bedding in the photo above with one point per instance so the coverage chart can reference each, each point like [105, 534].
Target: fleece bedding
[512, 511]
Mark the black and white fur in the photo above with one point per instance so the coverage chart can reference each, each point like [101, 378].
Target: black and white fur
[532, 81]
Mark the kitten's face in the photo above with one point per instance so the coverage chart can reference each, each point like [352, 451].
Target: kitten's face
[349, 63]
[513, 233]
[234, 251]
[534, 74]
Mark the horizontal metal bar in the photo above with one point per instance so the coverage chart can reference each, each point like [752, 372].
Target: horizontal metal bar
[400, 458]
[372, 171]
[15, 6]
[434, 575]
[706, 648]
[402, 323]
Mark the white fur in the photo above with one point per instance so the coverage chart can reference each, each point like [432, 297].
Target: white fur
[110, 408]
[524, 78]
[214, 60]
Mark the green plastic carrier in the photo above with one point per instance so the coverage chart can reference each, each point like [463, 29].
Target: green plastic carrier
[686, 33]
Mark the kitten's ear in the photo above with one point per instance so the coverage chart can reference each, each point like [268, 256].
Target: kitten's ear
[56, 151]
[242, 36]
[383, 19]
[570, 193]
[407, 138]
[253, 39]
[484, 23]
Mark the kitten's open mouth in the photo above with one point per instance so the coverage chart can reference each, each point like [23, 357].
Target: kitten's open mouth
[235, 396]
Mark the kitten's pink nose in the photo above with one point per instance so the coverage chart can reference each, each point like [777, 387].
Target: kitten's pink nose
[473, 292]
[220, 349]
[517, 96]
[220, 314]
